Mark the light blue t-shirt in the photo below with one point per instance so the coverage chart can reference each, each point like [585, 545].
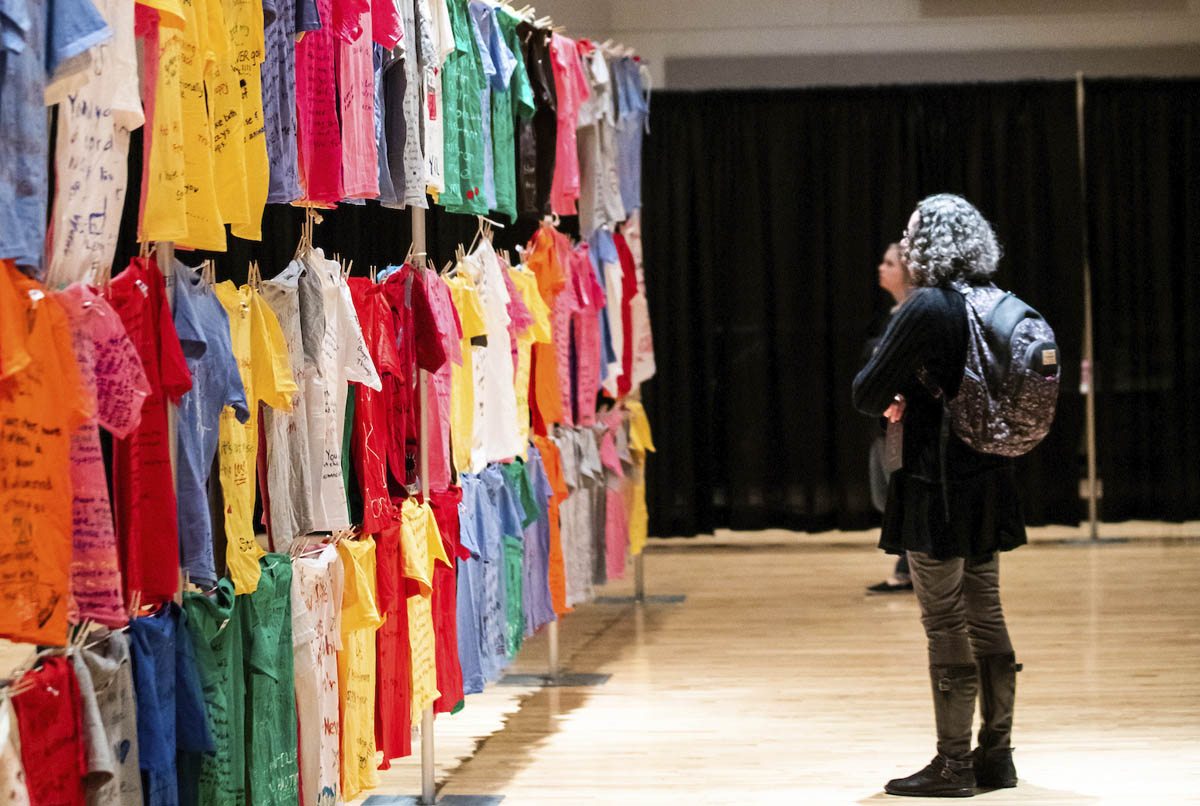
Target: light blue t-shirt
[603, 250]
[203, 328]
[470, 588]
[632, 116]
[539, 607]
[36, 36]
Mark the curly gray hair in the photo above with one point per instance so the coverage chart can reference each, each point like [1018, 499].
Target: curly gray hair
[948, 241]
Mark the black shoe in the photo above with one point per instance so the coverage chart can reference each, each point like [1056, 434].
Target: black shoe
[943, 778]
[994, 769]
[888, 587]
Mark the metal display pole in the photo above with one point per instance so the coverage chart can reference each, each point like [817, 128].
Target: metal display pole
[552, 635]
[639, 577]
[1087, 380]
[428, 793]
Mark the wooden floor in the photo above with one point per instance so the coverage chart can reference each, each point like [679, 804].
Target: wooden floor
[779, 682]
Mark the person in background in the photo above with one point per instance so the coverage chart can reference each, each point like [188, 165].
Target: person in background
[951, 508]
[895, 279]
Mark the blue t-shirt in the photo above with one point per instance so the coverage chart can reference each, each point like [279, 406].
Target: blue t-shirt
[498, 515]
[539, 607]
[498, 64]
[603, 250]
[36, 36]
[281, 20]
[203, 328]
[170, 702]
[470, 588]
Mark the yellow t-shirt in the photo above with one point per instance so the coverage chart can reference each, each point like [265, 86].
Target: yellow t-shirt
[539, 331]
[164, 202]
[462, 378]
[421, 546]
[204, 42]
[262, 356]
[239, 145]
[640, 442]
[356, 667]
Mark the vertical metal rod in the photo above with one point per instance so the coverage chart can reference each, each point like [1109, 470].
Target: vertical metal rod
[164, 254]
[552, 635]
[428, 781]
[639, 577]
[1087, 379]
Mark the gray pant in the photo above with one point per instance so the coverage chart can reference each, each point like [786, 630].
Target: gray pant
[960, 608]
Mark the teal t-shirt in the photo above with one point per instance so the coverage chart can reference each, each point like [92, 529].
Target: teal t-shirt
[271, 759]
[515, 102]
[215, 625]
[462, 83]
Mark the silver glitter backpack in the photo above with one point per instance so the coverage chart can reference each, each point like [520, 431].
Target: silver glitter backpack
[1006, 401]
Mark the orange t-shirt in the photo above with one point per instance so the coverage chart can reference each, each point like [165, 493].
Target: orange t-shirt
[557, 574]
[42, 402]
[545, 395]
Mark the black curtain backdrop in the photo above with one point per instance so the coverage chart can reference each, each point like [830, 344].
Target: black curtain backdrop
[766, 215]
[1143, 159]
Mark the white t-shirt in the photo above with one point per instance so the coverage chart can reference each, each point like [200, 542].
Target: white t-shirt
[317, 584]
[496, 434]
[95, 120]
[639, 309]
[344, 359]
[433, 22]
[13, 791]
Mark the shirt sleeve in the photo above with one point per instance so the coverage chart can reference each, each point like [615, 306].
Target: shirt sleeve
[74, 27]
[274, 381]
[69, 380]
[901, 352]
[121, 383]
[355, 359]
[431, 355]
[14, 356]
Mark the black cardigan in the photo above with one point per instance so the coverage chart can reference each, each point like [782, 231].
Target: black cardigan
[930, 331]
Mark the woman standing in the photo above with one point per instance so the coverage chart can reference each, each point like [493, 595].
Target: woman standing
[950, 509]
[895, 279]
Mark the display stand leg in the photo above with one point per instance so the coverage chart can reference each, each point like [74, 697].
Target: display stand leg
[639, 578]
[427, 779]
[552, 635]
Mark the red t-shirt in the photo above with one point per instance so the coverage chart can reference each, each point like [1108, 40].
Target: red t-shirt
[52, 752]
[369, 438]
[393, 675]
[143, 495]
[444, 504]
[628, 292]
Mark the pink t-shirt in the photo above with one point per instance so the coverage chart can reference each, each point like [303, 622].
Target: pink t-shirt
[112, 372]
[356, 96]
[519, 317]
[571, 88]
[318, 138]
[450, 331]
[589, 347]
[565, 304]
[386, 25]
[616, 521]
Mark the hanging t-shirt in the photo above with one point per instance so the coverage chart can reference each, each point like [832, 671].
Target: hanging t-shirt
[556, 572]
[445, 593]
[462, 377]
[279, 99]
[462, 85]
[537, 137]
[498, 515]
[203, 328]
[318, 136]
[517, 480]
[587, 338]
[163, 201]
[393, 656]
[266, 374]
[215, 623]
[422, 549]
[271, 760]
[12, 770]
[539, 607]
[371, 422]
[498, 64]
[628, 292]
[634, 114]
[508, 107]
[320, 582]
[496, 434]
[356, 96]
[640, 441]
[606, 264]
[469, 603]
[143, 496]
[600, 202]
[547, 397]
[639, 310]
[112, 373]
[37, 39]
[288, 481]
[537, 333]
[403, 93]
[48, 715]
[170, 704]
[571, 90]
[91, 174]
[105, 677]
[344, 358]
[356, 667]
[435, 32]
[441, 382]
[42, 402]
[613, 444]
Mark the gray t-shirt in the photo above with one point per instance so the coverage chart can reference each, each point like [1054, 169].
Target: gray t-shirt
[109, 717]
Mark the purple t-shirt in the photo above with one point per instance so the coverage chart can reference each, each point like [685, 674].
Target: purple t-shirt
[281, 20]
[539, 607]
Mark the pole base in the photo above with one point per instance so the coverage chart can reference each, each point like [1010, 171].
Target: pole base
[445, 800]
[565, 680]
[676, 598]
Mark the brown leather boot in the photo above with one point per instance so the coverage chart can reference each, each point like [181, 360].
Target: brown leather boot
[992, 759]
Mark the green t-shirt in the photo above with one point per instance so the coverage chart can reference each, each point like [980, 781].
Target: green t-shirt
[215, 625]
[271, 765]
[463, 82]
[514, 586]
[516, 476]
[507, 106]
